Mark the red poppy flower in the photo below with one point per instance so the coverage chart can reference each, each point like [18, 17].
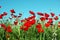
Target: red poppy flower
[15, 22]
[39, 13]
[38, 26]
[46, 15]
[50, 20]
[27, 24]
[12, 11]
[3, 26]
[4, 13]
[31, 12]
[56, 17]
[0, 17]
[42, 18]
[29, 18]
[9, 29]
[32, 17]
[25, 29]
[40, 30]
[52, 14]
[47, 25]
[33, 21]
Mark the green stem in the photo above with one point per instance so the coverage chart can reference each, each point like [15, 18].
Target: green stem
[40, 36]
[19, 33]
[43, 36]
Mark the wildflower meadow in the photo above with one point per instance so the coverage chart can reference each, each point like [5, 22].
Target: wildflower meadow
[46, 27]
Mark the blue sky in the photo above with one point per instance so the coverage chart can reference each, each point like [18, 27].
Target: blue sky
[23, 6]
